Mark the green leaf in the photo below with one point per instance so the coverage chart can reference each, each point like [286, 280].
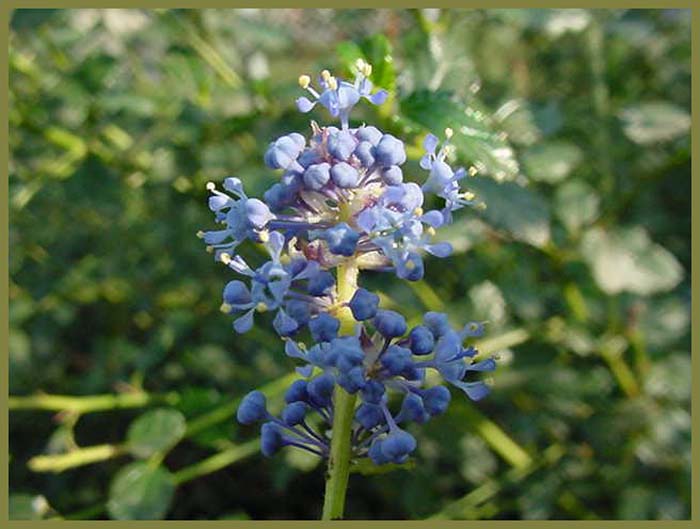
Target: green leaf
[551, 162]
[367, 468]
[140, 492]
[155, 431]
[576, 205]
[655, 121]
[474, 137]
[375, 50]
[520, 211]
[625, 259]
[28, 507]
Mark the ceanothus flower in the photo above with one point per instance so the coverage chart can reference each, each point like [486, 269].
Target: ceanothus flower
[339, 97]
[342, 197]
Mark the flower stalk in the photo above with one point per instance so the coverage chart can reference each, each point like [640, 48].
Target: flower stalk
[344, 410]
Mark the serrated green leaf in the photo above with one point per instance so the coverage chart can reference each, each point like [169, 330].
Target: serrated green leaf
[520, 211]
[625, 259]
[140, 492]
[551, 162]
[576, 204]
[476, 141]
[655, 121]
[155, 431]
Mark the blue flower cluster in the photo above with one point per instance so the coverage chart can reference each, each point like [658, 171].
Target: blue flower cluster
[342, 198]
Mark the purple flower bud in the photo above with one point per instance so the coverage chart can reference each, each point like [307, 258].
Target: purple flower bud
[413, 410]
[376, 454]
[297, 392]
[393, 175]
[390, 324]
[422, 341]
[363, 151]
[363, 304]
[352, 380]
[253, 408]
[398, 445]
[396, 359]
[373, 391]
[369, 134]
[280, 196]
[324, 327]
[390, 151]
[317, 176]
[369, 415]
[344, 175]
[341, 239]
[320, 284]
[341, 145]
[437, 322]
[436, 400]
[271, 439]
[294, 413]
[320, 389]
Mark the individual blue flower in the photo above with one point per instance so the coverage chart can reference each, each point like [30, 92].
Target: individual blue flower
[294, 413]
[421, 340]
[344, 175]
[341, 239]
[389, 323]
[363, 304]
[390, 151]
[324, 327]
[339, 96]
[271, 439]
[243, 217]
[253, 408]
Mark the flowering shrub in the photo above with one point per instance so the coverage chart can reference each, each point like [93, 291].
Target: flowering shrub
[342, 203]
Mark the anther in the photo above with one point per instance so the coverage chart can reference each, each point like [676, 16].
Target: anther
[332, 83]
[325, 75]
[225, 308]
[225, 258]
[418, 212]
[261, 307]
[448, 133]
[211, 186]
[304, 81]
[200, 234]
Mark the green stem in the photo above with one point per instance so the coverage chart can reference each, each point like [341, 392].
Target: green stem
[90, 403]
[343, 411]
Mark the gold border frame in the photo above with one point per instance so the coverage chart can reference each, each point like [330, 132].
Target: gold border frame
[9, 5]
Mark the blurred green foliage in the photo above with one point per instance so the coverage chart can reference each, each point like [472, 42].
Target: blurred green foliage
[576, 124]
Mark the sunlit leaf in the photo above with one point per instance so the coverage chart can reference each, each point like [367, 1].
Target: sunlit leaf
[478, 144]
[654, 122]
[626, 259]
[155, 431]
[140, 492]
[519, 211]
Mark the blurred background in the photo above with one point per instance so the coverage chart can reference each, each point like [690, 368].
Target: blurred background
[123, 374]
